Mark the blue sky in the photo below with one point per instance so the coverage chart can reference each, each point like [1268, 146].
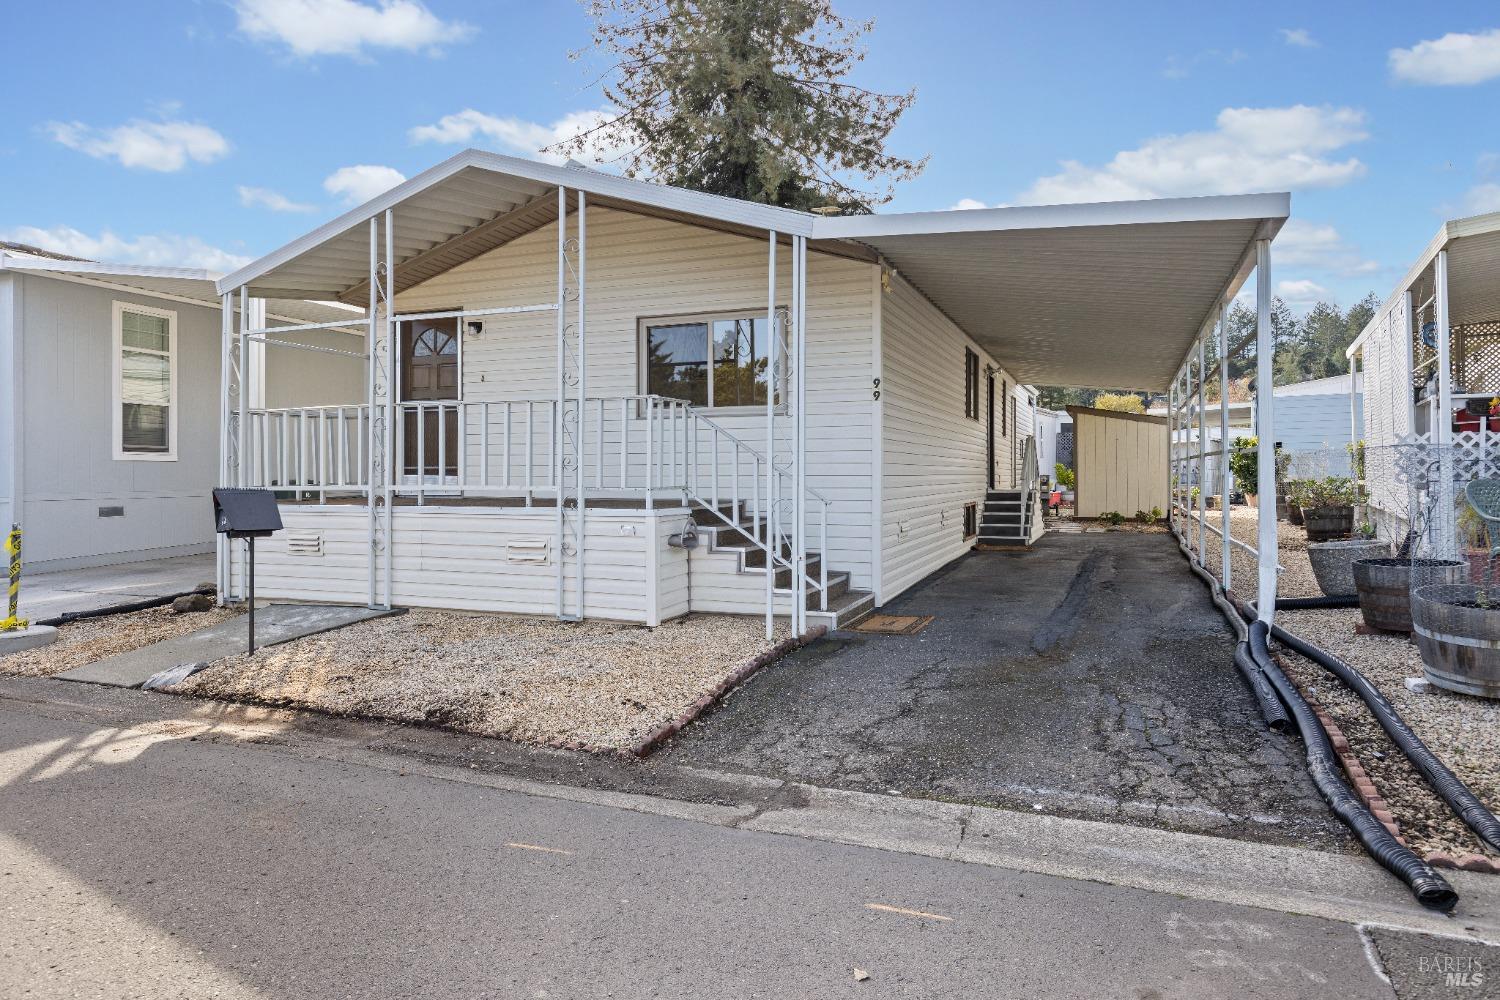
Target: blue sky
[210, 132]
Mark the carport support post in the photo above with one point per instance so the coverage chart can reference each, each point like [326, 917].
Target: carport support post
[1226, 476]
[770, 536]
[1171, 454]
[226, 361]
[1202, 446]
[1265, 347]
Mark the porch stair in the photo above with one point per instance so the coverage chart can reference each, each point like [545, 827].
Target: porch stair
[740, 568]
[1007, 518]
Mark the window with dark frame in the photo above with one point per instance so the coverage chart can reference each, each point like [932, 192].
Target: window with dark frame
[1004, 395]
[971, 384]
[971, 520]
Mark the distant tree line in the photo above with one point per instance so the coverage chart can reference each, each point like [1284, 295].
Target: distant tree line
[1306, 348]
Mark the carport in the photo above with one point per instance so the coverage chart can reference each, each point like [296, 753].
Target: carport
[1090, 674]
[1123, 295]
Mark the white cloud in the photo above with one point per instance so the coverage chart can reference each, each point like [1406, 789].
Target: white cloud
[162, 249]
[1301, 294]
[517, 135]
[259, 197]
[362, 182]
[348, 27]
[1250, 149]
[164, 146]
[967, 203]
[1320, 247]
[1482, 198]
[1454, 60]
[1299, 37]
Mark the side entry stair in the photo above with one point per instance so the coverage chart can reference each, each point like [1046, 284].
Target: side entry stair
[1007, 518]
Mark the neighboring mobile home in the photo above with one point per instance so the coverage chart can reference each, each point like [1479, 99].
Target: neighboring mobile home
[109, 393]
[596, 418]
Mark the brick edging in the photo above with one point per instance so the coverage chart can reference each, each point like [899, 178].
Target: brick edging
[667, 730]
[1364, 787]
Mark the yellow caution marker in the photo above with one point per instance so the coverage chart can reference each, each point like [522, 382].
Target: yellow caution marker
[12, 621]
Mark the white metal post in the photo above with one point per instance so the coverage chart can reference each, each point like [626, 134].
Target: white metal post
[1226, 477]
[583, 373]
[1172, 520]
[1265, 348]
[767, 529]
[1353, 410]
[393, 408]
[557, 411]
[370, 431]
[1202, 446]
[244, 379]
[799, 347]
[1444, 416]
[226, 349]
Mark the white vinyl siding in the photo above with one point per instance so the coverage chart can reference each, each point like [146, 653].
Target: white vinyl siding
[933, 460]
[642, 268]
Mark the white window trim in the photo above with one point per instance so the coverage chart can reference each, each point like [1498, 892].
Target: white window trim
[708, 318]
[117, 319]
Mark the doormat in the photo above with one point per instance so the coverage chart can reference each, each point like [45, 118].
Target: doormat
[894, 624]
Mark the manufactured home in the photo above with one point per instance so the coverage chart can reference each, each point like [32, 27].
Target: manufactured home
[1429, 362]
[590, 396]
[109, 386]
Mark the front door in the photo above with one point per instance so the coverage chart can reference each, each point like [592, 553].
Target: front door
[429, 372]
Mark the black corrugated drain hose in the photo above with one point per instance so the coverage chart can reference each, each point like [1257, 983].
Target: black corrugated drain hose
[67, 617]
[1443, 781]
[1429, 888]
[1311, 603]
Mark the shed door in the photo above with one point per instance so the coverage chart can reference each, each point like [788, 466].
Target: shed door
[429, 371]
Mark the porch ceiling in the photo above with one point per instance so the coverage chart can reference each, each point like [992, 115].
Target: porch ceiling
[1110, 295]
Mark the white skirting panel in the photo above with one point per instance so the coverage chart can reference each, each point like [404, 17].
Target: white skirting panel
[499, 560]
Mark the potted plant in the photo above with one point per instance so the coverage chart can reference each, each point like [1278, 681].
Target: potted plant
[1328, 508]
[1244, 465]
[1067, 480]
[1296, 495]
[1474, 535]
[1457, 628]
[1333, 562]
[1384, 586]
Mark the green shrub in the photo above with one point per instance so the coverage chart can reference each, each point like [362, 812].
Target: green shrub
[1066, 477]
[1113, 517]
[1330, 491]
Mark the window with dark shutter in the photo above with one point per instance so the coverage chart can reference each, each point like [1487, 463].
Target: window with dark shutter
[971, 384]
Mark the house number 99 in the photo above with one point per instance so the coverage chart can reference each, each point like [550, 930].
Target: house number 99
[877, 388]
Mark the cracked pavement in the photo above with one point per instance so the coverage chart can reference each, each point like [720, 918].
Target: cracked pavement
[1089, 676]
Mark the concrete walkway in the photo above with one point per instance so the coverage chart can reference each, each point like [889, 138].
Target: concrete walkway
[275, 624]
[1088, 676]
[47, 595]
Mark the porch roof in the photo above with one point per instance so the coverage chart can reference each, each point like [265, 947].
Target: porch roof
[1110, 294]
[1473, 246]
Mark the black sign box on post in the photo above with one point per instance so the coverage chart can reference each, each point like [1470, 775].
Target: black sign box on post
[247, 514]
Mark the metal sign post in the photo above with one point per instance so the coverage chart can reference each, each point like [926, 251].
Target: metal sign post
[247, 514]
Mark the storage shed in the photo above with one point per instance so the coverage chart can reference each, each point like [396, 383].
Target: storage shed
[1120, 460]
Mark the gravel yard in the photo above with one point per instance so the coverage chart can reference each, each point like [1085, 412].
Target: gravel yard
[1464, 732]
[604, 685]
[95, 638]
[1296, 576]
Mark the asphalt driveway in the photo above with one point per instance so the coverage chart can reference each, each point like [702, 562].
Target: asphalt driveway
[1088, 676]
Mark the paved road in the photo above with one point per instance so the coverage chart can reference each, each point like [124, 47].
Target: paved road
[1088, 676]
[160, 861]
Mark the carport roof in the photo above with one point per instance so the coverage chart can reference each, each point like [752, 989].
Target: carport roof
[1110, 294]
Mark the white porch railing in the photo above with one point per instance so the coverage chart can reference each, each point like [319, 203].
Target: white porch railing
[645, 447]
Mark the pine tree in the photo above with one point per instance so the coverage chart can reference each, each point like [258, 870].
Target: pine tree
[748, 100]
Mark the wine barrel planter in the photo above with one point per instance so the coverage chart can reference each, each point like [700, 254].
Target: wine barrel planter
[1384, 587]
[1324, 524]
[1458, 632]
[1333, 562]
